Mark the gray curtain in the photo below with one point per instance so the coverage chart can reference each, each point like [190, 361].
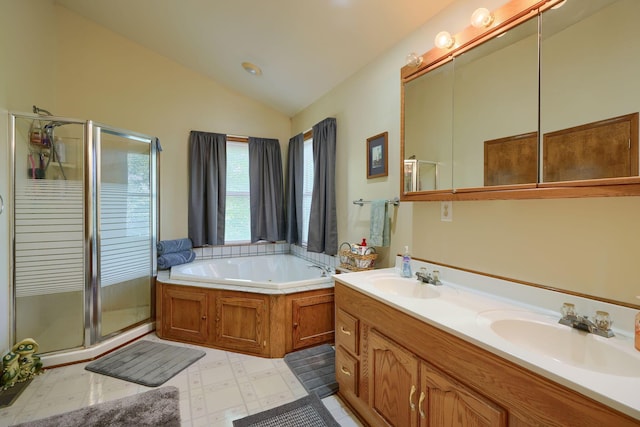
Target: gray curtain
[207, 187]
[323, 228]
[266, 191]
[295, 175]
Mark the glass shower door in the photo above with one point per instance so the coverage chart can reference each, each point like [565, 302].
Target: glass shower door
[125, 224]
[48, 231]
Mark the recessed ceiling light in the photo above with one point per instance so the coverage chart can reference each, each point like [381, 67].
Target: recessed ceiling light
[251, 68]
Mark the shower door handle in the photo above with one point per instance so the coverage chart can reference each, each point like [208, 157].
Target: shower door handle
[1, 204]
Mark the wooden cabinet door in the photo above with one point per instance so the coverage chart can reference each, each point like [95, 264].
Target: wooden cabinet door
[444, 402]
[392, 382]
[184, 314]
[242, 322]
[313, 320]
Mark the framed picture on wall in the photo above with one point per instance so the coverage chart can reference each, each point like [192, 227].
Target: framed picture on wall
[377, 156]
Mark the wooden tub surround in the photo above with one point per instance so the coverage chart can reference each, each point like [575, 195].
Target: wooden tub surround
[260, 324]
[395, 369]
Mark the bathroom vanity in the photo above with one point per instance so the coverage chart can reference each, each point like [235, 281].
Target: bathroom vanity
[411, 354]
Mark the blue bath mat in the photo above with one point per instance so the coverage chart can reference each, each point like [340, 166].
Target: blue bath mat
[315, 369]
[146, 362]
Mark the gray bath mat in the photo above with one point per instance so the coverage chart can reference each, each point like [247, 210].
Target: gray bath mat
[315, 367]
[8, 396]
[306, 412]
[146, 362]
[160, 407]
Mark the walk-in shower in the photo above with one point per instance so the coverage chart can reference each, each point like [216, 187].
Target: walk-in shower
[83, 230]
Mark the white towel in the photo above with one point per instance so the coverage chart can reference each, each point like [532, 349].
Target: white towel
[379, 227]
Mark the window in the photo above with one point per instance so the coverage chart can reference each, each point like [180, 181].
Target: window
[307, 187]
[237, 221]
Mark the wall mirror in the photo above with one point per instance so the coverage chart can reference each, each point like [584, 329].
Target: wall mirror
[429, 126]
[543, 103]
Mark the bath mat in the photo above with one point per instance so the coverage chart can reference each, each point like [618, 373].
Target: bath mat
[146, 362]
[315, 367]
[159, 407]
[306, 412]
[8, 396]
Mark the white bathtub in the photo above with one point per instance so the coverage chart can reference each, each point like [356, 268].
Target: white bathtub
[261, 271]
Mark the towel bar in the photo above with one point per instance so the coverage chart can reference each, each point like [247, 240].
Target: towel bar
[360, 202]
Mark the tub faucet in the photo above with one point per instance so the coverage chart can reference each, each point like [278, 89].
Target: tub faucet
[326, 271]
[600, 326]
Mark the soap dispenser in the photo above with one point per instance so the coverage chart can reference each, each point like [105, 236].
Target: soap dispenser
[406, 263]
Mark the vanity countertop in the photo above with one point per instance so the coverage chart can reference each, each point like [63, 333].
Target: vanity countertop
[605, 369]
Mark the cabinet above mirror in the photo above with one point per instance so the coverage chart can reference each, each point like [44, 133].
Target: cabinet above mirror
[541, 104]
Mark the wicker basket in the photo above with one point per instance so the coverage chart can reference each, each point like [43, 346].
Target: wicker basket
[354, 261]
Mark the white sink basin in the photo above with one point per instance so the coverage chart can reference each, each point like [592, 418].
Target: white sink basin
[404, 287]
[543, 335]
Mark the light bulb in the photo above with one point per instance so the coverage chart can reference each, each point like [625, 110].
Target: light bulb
[481, 18]
[444, 40]
[413, 59]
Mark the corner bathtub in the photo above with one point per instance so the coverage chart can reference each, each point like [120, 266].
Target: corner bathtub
[261, 271]
[264, 305]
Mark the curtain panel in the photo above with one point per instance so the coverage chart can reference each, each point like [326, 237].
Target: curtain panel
[266, 190]
[295, 175]
[207, 187]
[323, 228]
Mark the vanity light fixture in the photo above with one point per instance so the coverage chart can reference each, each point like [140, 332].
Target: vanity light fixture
[481, 18]
[444, 40]
[413, 59]
[251, 68]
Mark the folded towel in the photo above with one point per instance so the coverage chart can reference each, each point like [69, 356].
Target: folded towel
[379, 227]
[176, 258]
[171, 246]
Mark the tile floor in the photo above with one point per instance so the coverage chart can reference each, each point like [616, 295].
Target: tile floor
[214, 391]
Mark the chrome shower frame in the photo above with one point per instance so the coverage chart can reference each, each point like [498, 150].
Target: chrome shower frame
[91, 175]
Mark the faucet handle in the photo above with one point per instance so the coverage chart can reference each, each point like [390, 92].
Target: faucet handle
[602, 320]
[568, 310]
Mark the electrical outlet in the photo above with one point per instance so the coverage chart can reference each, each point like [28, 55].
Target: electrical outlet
[446, 211]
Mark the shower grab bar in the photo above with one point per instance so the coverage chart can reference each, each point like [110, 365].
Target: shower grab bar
[394, 202]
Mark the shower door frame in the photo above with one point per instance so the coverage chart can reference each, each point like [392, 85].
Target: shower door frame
[93, 294]
[91, 186]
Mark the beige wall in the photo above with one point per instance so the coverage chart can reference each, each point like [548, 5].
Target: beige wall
[27, 73]
[107, 78]
[584, 245]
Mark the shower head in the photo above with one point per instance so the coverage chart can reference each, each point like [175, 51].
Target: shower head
[41, 111]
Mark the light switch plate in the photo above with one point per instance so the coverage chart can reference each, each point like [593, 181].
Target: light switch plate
[446, 211]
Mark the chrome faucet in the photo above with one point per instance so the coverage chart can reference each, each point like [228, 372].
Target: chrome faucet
[600, 326]
[425, 277]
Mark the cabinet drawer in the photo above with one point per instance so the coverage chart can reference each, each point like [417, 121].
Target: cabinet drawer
[346, 333]
[347, 371]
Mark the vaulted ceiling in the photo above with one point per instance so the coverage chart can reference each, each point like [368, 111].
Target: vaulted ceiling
[304, 47]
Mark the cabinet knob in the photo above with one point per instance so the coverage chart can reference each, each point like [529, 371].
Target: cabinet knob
[344, 331]
[295, 324]
[411, 393]
[345, 371]
[204, 317]
[420, 403]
